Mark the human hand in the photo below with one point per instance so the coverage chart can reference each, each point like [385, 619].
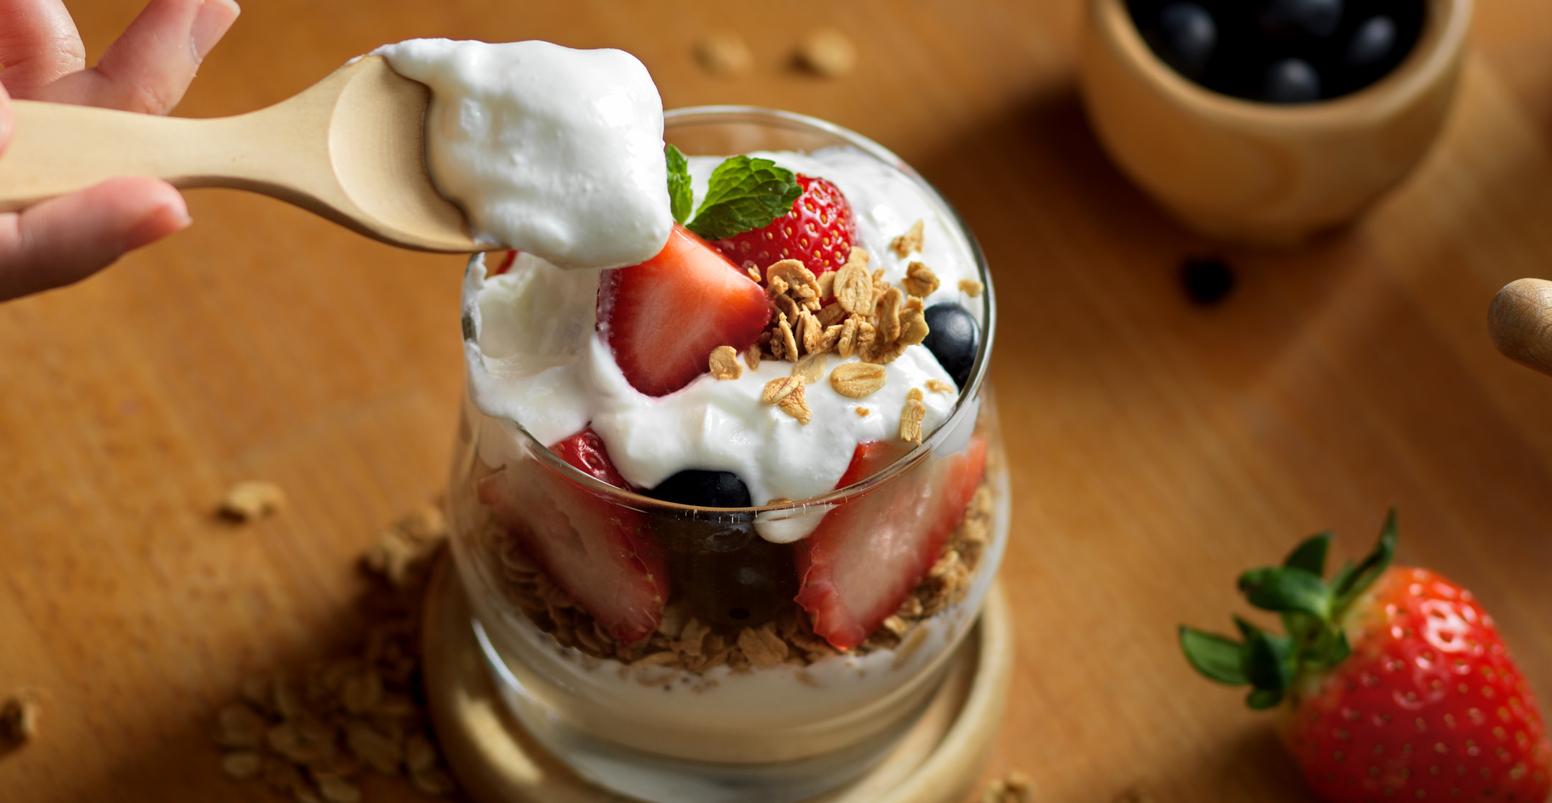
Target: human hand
[66, 239]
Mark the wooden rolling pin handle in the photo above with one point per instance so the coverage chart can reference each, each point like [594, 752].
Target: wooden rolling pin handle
[1521, 322]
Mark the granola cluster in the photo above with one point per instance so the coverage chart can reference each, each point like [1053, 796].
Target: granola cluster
[313, 734]
[683, 644]
[848, 312]
[18, 720]
[869, 317]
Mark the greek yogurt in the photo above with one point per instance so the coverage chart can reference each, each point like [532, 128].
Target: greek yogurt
[553, 151]
[536, 359]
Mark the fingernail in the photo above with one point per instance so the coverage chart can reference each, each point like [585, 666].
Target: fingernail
[210, 24]
[160, 222]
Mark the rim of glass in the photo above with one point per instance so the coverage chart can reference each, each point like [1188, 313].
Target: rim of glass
[713, 114]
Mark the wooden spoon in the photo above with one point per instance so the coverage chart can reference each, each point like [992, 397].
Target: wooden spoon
[1521, 322]
[350, 148]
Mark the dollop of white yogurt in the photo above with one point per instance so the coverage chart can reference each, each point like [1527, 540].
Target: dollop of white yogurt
[552, 151]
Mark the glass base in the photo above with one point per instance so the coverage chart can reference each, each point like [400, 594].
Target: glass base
[659, 779]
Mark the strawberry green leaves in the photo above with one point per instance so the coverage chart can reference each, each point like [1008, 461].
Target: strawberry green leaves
[1218, 658]
[1352, 581]
[1286, 588]
[1311, 610]
[743, 193]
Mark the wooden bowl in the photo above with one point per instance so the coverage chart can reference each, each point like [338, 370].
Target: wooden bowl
[1259, 172]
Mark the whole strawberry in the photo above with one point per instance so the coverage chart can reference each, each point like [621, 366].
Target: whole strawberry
[818, 231]
[1394, 682]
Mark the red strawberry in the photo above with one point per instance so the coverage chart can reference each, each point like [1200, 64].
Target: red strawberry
[870, 552]
[819, 231]
[664, 317]
[597, 551]
[505, 264]
[1398, 686]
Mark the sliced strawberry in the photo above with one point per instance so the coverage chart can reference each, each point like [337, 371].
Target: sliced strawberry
[664, 317]
[819, 232]
[598, 552]
[868, 554]
[505, 264]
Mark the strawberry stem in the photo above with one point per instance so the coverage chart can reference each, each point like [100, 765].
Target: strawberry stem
[1311, 610]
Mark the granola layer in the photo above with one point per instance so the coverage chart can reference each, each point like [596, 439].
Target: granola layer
[683, 642]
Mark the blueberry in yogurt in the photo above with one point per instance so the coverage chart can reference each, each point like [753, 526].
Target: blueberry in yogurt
[953, 336]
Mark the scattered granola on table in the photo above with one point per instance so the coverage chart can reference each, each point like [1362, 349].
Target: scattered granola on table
[251, 500]
[723, 53]
[827, 52]
[314, 732]
[18, 719]
[1013, 788]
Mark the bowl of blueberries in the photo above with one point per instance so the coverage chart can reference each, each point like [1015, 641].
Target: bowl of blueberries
[1270, 121]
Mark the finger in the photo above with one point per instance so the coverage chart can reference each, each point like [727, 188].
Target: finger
[5, 120]
[66, 239]
[150, 66]
[38, 44]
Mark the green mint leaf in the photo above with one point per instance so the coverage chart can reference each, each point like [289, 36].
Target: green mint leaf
[681, 198]
[1285, 590]
[1310, 555]
[1217, 657]
[744, 193]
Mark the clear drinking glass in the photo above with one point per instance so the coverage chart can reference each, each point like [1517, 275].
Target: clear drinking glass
[733, 697]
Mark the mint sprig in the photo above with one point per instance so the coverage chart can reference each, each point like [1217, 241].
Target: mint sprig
[680, 195]
[744, 193]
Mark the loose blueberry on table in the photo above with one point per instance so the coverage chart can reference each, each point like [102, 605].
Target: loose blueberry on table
[1281, 51]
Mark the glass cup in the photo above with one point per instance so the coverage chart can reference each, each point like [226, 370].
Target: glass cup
[731, 696]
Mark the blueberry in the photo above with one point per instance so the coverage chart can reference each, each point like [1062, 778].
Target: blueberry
[1291, 19]
[1184, 38]
[703, 533]
[703, 489]
[1206, 280]
[953, 336]
[1372, 45]
[1291, 81]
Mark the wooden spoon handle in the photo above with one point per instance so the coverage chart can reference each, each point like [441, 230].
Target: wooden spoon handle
[1521, 322]
[57, 149]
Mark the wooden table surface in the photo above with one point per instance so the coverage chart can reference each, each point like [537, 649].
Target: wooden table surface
[1157, 447]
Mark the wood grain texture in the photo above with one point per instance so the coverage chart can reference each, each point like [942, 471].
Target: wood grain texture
[1156, 448]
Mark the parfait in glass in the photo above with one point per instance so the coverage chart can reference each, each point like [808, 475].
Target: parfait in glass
[724, 516]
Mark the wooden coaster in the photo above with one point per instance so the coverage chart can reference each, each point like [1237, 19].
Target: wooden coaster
[496, 761]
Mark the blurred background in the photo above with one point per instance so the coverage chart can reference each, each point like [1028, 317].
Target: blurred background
[1165, 430]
